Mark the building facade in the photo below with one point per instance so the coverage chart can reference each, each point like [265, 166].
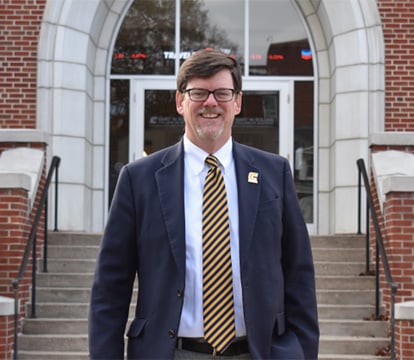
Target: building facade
[60, 75]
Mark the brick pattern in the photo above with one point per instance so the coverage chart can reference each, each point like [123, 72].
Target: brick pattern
[6, 337]
[398, 228]
[398, 28]
[15, 223]
[20, 22]
[404, 334]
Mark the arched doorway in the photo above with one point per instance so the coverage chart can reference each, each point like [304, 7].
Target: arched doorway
[269, 40]
[74, 65]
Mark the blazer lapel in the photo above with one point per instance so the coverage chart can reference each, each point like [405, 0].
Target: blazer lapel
[248, 183]
[170, 182]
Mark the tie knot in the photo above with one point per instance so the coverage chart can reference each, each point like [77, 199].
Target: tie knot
[212, 161]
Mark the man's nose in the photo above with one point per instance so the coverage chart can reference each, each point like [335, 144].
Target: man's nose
[211, 99]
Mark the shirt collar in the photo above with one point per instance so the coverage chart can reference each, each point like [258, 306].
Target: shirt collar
[196, 156]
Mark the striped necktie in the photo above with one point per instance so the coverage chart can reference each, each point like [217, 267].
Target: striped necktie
[218, 304]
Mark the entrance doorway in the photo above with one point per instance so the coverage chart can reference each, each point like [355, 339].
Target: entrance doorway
[266, 114]
[276, 116]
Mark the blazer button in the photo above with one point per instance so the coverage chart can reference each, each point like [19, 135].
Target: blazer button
[180, 293]
[171, 333]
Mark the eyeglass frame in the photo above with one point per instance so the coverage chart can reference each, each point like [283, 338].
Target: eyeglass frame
[208, 92]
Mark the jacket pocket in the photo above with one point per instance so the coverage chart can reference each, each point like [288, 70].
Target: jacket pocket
[136, 328]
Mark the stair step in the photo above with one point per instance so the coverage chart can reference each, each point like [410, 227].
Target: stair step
[55, 326]
[74, 238]
[60, 294]
[351, 344]
[344, 282]
[327, 327]
[347, 327]
[338, 254]
[73, 252]
[339, 267]
[59, 310]
[350, 357]
[348, 312]
[63, 280]
[338, 241]
[72, 343]
[53, 355]
[69, 265]
[345, 297]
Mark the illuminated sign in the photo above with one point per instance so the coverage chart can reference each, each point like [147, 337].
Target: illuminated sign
[276, 57]
[306, 54]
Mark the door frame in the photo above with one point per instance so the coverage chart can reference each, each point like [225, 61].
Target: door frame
[138, 86]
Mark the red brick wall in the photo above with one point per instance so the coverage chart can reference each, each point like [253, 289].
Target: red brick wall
[399, 219]
[398, 26]
[404, 334]
[20, 22]
[6, 337]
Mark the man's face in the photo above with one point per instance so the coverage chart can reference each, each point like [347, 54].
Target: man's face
[208, 124]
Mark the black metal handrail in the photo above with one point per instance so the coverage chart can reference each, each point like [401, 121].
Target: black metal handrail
[379, 250]
[31, 247]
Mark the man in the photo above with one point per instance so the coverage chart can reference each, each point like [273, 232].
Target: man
[157, 229]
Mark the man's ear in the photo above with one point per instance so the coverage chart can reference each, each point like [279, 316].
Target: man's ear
[238, 103]
[179, 98]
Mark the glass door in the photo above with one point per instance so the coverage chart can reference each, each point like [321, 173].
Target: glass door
[265, 122]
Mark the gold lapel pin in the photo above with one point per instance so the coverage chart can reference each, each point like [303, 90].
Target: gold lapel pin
[253, 177]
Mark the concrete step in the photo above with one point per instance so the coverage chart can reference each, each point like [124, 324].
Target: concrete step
[72, 252]
[74, 238]
[345, 297]
[55, 326]
[350, 357]
[344, 300]
[62, 280]
[348, 312]
[338, 241]
[351, 344]
[345, 327]
[344, 282]
[338, 254]
[53, 355]
[49, 342]
[69, 265]
[336, 327]
[63, 310]
[339, 267]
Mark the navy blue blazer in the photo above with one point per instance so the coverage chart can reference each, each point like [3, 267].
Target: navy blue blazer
[144, 235]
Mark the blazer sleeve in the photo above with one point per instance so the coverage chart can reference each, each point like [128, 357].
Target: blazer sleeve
[114, 275]
[297, 263]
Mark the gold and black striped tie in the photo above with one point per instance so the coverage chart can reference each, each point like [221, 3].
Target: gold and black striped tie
[218, 303]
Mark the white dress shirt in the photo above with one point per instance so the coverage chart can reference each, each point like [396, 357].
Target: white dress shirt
[195, 170]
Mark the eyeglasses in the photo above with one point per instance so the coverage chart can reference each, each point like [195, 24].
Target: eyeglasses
[200, 95]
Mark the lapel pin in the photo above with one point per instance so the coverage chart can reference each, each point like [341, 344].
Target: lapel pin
[253, 177]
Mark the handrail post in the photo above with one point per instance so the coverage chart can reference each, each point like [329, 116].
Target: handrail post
[359, 200]
[377, 283]
[34, 259]
[16, 317]
[31, 246]
[379, 250]
[45, 238]
[367, 242]
[56, 193]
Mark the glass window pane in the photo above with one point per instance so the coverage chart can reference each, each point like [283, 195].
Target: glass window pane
[257, 124]
[119, 131]
[163, 126]
[146, 39]
[303, 173]
[214, 24]
[278, 41]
